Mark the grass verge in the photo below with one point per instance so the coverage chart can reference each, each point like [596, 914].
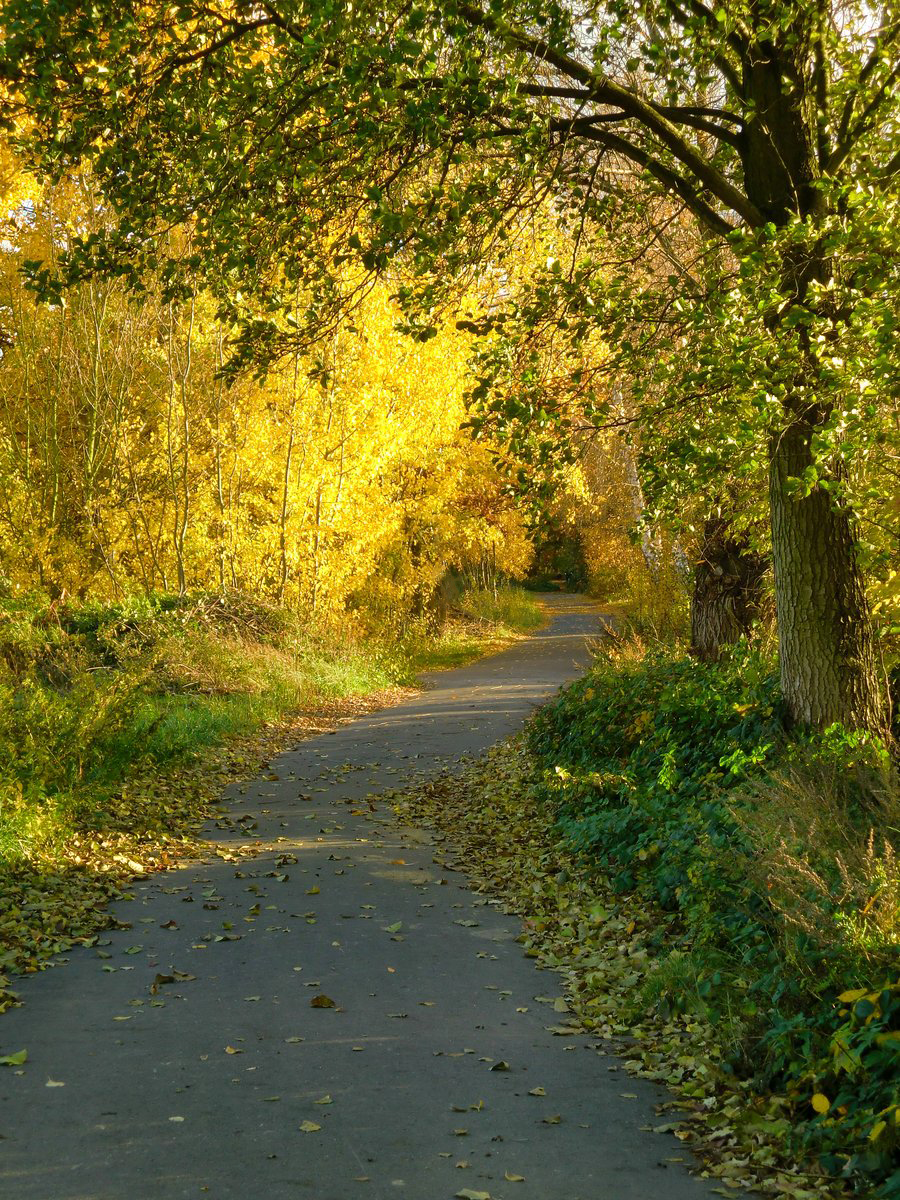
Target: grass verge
[120, 724]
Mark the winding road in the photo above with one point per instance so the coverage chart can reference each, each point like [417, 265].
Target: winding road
[325, 1019]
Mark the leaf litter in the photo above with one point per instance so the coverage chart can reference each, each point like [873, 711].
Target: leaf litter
[488, 822]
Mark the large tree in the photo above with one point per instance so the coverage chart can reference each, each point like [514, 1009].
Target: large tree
[290, 135]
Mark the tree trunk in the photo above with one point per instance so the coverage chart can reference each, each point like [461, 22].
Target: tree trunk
[829, 667]
[727, 589]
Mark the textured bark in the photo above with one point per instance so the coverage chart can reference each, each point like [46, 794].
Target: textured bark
[829, 667]
[727, 591]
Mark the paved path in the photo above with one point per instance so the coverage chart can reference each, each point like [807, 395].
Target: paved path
[201, 1088]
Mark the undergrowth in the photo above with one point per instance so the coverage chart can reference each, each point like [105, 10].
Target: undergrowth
[776, 857]
[112, 719]
[504, 607]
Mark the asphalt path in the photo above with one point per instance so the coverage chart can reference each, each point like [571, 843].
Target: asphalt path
[326, 1018]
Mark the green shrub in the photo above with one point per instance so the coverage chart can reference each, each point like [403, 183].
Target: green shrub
[642, 753]
[776, 856]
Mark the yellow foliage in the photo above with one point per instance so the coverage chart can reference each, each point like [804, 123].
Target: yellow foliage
[126, 460]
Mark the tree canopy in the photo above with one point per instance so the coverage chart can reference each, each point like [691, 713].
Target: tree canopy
[276, 151]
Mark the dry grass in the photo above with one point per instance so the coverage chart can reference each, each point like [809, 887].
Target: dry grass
[827, 861]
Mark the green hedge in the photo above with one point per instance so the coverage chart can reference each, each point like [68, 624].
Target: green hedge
[660, 769]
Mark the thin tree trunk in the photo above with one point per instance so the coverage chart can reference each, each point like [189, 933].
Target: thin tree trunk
[179, 476]
[286, 485]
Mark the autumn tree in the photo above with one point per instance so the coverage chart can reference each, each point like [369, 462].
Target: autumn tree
[296, 136]
[127, 462]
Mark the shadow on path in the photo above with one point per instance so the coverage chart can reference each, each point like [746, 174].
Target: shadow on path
[182, 1056]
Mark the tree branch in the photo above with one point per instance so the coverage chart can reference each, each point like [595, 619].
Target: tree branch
[238, 30]
[671, 180]
[605, 91]
[884, 41]
[864, 122]
[727, 68]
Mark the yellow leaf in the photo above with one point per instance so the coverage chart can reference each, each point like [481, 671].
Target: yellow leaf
[877, 1130]
[309, 1127]
[852, 995]
[820, 1103]
[511, 1178]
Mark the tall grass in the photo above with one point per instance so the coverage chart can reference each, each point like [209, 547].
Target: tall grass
[509, 608]
[89, 694]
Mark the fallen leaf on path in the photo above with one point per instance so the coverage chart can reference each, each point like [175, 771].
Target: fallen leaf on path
[511, 1178]
[14, 1060]
[468, 1194]
[321, 1002]
[309, 1127]
[325, 1100]
[54, 1083]
[538, 1091]
[500, 1066]
[233, 1050]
